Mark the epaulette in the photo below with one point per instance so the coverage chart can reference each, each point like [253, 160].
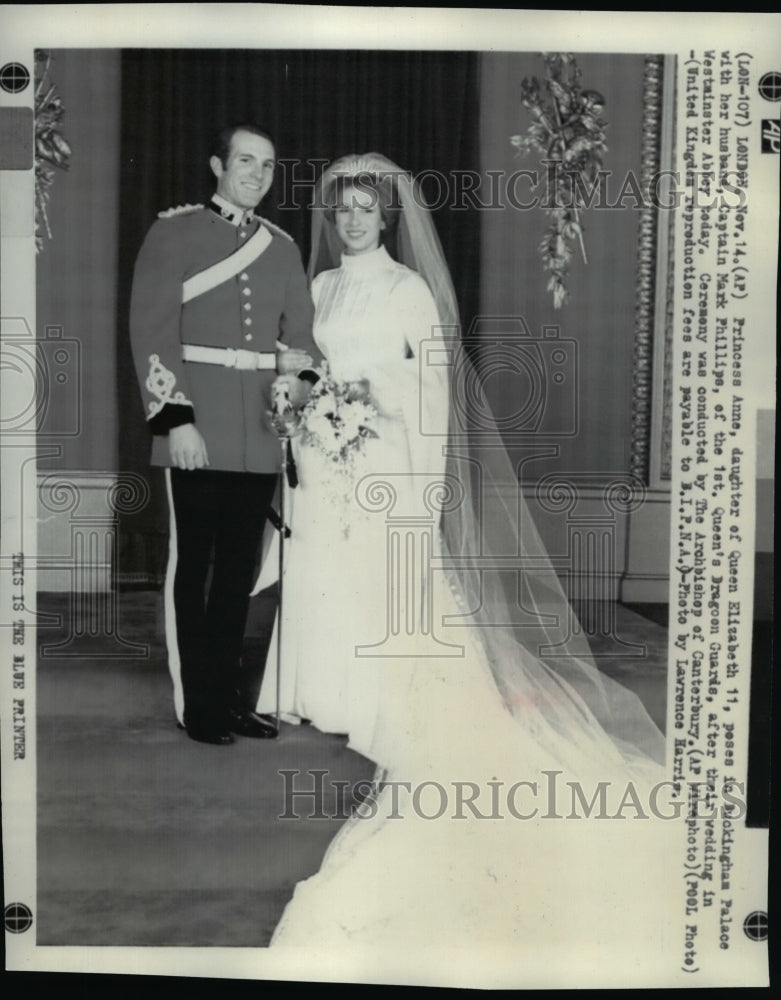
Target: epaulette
[276, 229]
[179, 210]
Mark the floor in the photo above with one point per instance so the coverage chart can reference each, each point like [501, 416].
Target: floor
[147, 838]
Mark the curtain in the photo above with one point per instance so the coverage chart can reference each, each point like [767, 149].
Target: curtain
[418, 108]
[588, 414]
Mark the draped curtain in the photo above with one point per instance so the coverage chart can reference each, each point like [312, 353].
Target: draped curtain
[418, 108]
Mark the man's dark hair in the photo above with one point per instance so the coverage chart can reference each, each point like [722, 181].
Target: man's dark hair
[221, 146]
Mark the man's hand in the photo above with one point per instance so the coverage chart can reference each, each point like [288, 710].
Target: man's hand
[292, 360]
[298, 389]
[187, 447]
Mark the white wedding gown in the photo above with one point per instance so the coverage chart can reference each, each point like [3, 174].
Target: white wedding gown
[553, 897]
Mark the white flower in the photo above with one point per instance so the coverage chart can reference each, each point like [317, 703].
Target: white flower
[352, 421]
[322, 407]
[320, 425]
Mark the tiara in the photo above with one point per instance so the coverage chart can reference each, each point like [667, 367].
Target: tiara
[368, 163]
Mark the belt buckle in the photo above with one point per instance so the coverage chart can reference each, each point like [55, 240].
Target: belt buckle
[240, 359]
[246, 360]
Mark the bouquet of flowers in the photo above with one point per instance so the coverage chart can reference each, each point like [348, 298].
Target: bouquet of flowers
[337, 419]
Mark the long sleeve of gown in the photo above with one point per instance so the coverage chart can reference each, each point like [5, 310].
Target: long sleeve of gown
[377, 320]
[414, 386]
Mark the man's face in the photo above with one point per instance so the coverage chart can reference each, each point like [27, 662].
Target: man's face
[248, 174]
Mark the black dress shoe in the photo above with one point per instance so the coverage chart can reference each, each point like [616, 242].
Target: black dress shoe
[203, 734]
[245, 722]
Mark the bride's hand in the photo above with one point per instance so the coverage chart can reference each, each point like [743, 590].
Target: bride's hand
[361, 386]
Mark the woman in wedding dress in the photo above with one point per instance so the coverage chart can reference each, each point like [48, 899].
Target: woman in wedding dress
[424, 620]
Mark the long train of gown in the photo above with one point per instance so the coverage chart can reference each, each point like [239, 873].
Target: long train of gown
[399, 878]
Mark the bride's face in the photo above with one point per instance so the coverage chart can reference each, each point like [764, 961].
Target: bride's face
[358, 220]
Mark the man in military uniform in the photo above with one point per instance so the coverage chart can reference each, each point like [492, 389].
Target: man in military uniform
[217, 294]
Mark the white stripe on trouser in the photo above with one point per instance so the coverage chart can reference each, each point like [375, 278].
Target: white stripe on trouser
[171, 640]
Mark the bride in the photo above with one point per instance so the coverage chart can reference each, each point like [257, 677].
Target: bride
[423, 619]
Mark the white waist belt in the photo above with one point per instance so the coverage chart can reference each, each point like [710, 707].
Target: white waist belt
[230, 357]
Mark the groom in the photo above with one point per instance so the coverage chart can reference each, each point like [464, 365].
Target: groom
[216, 290]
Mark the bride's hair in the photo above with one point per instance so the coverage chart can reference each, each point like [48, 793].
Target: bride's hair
[384, 194]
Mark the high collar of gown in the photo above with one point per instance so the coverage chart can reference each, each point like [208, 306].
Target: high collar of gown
[365, 263]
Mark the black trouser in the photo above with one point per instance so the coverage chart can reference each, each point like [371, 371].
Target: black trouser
[219, 514]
